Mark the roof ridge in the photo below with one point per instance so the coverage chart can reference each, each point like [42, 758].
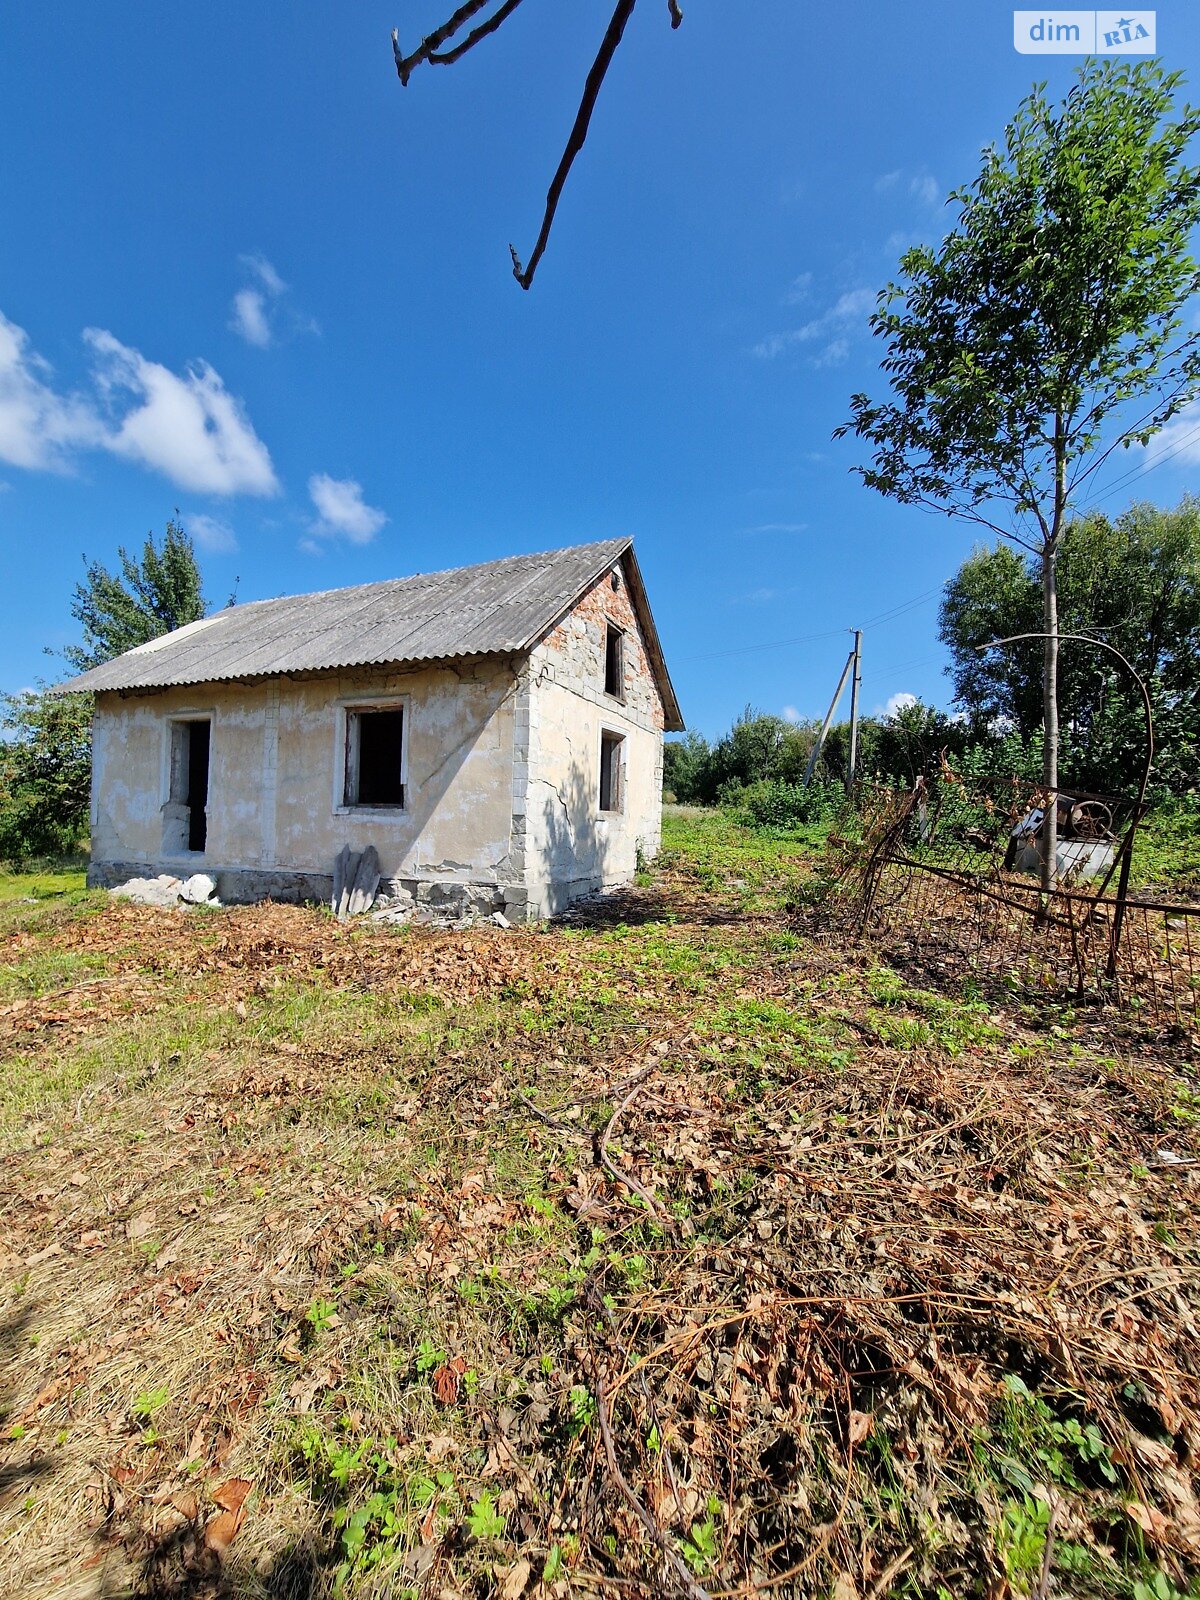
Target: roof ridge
[440, 572]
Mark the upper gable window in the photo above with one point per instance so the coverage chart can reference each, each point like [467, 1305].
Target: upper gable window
[614, 661]
[374, 756]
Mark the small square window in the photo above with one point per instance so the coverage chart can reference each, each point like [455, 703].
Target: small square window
[612, 773]
[375, 757]
[614, 661]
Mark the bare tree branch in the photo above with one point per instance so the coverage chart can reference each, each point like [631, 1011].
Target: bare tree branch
[579, 132]
[447, 58]
[430, 51]
[434, 40]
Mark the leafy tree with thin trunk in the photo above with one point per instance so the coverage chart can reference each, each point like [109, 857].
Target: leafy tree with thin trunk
[1047, 330]
[149, 596]
[1134, 582]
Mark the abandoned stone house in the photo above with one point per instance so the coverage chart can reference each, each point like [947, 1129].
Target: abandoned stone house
[495, 732]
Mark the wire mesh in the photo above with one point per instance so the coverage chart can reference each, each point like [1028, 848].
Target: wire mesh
[950, 871]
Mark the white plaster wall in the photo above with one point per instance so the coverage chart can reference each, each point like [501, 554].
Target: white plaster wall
[272, 784]
[571, 845]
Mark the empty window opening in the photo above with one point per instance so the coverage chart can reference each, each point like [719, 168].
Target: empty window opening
[614, 661]
[612, 776]
[185, 815]
[375, 757]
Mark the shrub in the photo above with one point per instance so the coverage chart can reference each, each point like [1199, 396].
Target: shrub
[774, 805]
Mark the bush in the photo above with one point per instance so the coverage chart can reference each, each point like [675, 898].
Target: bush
[774, 805]
[45, 774]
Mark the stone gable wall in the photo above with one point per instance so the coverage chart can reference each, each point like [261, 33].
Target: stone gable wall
[570, 846]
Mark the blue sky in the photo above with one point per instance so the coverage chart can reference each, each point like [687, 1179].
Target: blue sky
[244, 273]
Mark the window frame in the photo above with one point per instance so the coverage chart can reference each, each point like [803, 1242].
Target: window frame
[613, 737]
[348, 711]
[613, 629]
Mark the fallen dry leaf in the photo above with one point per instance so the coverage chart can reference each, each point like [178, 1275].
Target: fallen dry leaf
[515, 1580]
[231, 1495]
[138, 1227]
[220, 1531]
[861, 1426]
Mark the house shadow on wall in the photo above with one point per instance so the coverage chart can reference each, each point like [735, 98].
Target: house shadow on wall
[572, 849]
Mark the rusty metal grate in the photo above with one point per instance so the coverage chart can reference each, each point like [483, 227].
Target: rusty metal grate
[931, 869]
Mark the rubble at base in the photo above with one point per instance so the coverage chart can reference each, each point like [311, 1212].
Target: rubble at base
[198, 890]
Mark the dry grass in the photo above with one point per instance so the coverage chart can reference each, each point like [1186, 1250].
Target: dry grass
[678, 1251]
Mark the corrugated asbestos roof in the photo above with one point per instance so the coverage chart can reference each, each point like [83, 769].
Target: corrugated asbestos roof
[496, 608]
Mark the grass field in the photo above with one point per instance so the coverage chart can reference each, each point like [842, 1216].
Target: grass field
[685, 1249]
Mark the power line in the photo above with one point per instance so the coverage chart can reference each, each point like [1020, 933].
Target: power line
[811, 638]
[1141, 472]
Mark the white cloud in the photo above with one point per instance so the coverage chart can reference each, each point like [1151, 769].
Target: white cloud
[834, 353]
[342, 509]
[259, 309]
[921, 185]
[848, 308]
[790, 714]
[264, 272]
[898, 702]
[310, 547]
[189, 428]
[210, 533]
[925, 189]
[777, 527]
[250, 317]
[1179, 440]
[799, 289]
[38, 427]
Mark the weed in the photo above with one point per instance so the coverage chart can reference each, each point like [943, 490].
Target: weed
[429, 1358]
[1185, 1106]
[1023, 1531]
[700, 1548]
[1031, 1442]
[149, 1403]
[322, 1315]
[485, 1522]
[583, 1409]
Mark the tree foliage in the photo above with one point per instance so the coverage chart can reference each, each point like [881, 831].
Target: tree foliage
[766, 754]
[148, 596]
[45, 738]
[1047, 329]
[1134, 582]
[45, 773]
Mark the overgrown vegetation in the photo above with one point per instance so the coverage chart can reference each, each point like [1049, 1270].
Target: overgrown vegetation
[672, 1246]
[45, 738]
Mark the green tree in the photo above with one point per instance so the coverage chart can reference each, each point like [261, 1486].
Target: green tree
[1133, 582]
[685, 765]
[45, 738]
[147, 597]
[45, 773]
[1046, 330]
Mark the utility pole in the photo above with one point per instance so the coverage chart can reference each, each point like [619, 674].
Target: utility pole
[837, 695]
[855, 686]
